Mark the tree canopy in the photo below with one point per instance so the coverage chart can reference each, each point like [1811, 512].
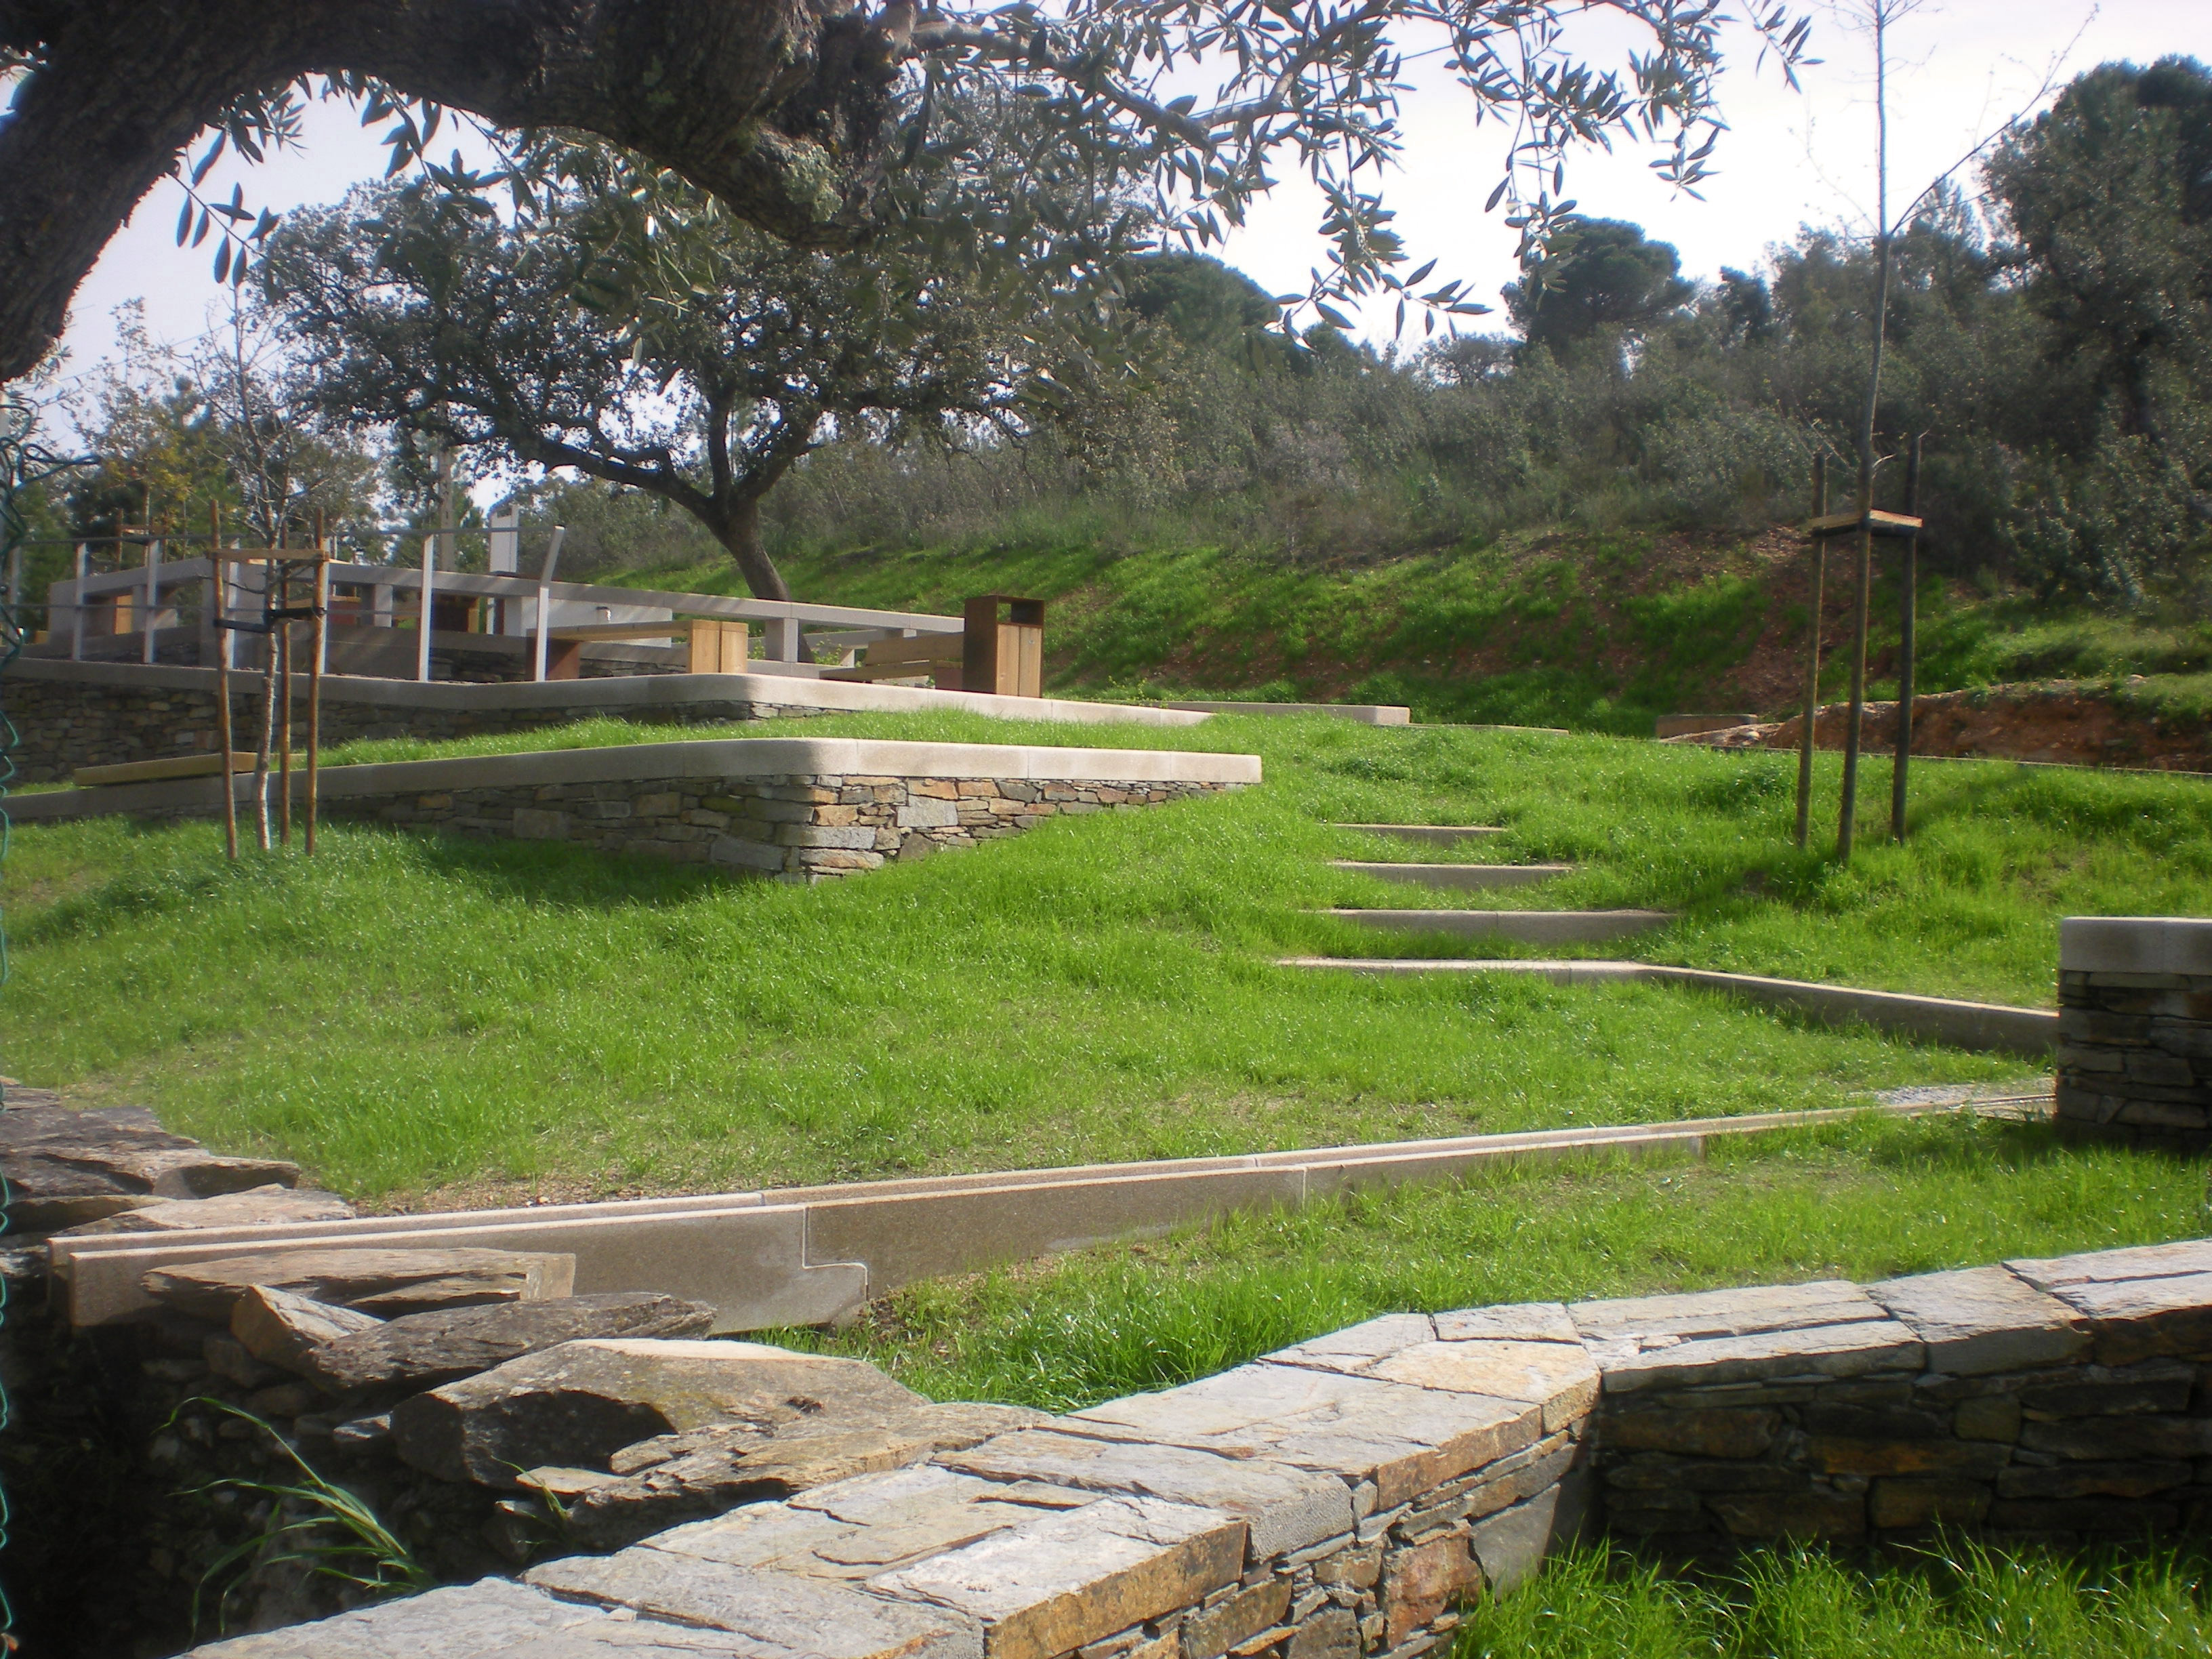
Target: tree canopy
[1603, 278]
[697, 363]
[802, 115]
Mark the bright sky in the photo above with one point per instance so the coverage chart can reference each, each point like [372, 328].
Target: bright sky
[1960, 68]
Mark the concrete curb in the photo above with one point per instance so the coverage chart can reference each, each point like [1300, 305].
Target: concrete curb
[1425, 835]
[730, 757]
[809, 1255]
[1986, 1027]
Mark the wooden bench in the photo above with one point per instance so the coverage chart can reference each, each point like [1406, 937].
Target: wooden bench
[932, 656]
[712, 645]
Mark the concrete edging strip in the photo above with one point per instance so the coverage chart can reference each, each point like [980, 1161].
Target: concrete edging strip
[808, 1255]
[1986, 1026]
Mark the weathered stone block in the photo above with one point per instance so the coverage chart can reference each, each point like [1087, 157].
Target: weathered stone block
[1852, 1350]
[1894, 1503]
[1995, 1417]
[741, 853]
[1238, 1619]
[482, 1620]
[1708, 1313]
[2102, 1438]
[378, 1281]
[426, 1348]
[778, 1613]
[1807, 1514]
[1051, 1586]
[536, 823]
[1287, 1508]
[1420, 1582]
[2137, 1479]
[927, 814]
[1972, 1460]
[852, 837]
[1983, 1319]
[1331, 1633]
[1719, 1432]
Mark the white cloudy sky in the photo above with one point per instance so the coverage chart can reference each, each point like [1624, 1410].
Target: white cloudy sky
[1963, 65]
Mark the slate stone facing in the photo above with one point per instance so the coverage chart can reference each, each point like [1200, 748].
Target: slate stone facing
[803, 827]
[2135, 1029]
[1343, 1498]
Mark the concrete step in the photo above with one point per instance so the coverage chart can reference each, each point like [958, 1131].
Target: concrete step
[1530, 927]
[1987, 1027]
[1428, 835]
[1457, 875]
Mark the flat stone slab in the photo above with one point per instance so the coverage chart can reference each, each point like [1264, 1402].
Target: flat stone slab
[1512, 1321]
[279, 1328]
[378, 1281]
[857, 1528]
[1061, 1581]
[1532, 927]
[779, 1615]
[1743, 1312]
[2116, 1266]
[492, 1617]
[66, 1166]
[1560, 1378]
[446, 1343]
[1826, 1351]
[587, 1399]
[1403, 1438]
[678, 1478]
[1979, 1320]
[272, 1205]
[1287, 1509]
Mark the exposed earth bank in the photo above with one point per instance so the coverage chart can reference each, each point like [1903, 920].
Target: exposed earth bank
[2064, 721]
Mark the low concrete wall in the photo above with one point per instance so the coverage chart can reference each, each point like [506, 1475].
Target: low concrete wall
[812, 1254]
[801, 809]
[89, 713]
[1986, 1026]
[2135, 1018]
[1346, 1496]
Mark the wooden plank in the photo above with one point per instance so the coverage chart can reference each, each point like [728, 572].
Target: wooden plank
[667, 630]
[154, 771]
[929, 648]
[1881, 524]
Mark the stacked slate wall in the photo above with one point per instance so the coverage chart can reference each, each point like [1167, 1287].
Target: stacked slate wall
[1345, 1498]
[801, 828]
[2135, 1025]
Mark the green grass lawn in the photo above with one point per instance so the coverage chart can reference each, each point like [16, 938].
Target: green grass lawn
[408, 1015]
[1955, 1602]
[1863, 1199]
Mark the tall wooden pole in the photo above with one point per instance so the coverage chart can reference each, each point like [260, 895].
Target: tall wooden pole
[319, 631]
[1818, 555]
[1908, 606]
[218, 587]
[282, 570]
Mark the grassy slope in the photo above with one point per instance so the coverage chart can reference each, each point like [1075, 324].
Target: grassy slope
[1866, 1200]
[1594, 632]
[404, 1015]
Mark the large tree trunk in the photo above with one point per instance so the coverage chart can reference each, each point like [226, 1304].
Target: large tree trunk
[777, 106]
[739, 531]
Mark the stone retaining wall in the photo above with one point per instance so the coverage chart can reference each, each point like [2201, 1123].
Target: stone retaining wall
[1345, 1497]
[797, 826]
[799, 809]
[2135, 1021]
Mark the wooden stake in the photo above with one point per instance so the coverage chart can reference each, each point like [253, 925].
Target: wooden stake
[1862, 592]
[1819, 576]
[217, 578]
[283, 640]
[1908, 606]
[267, 720]
[319, 631]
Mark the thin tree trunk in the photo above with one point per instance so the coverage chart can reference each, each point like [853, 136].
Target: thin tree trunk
[1908, 609]
[1818, 555]
[739, 532]
[1846, 819]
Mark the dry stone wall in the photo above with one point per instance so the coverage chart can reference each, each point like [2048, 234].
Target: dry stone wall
[2135, 1025]
[800, 827]
[1345, 1498]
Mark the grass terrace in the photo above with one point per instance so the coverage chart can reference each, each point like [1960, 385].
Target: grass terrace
[435, 1021]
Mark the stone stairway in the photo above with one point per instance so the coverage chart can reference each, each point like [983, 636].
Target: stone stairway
[1527, 927]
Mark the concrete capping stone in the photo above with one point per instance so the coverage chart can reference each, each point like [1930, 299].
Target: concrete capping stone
[1340, 1499]
[2135, 944]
